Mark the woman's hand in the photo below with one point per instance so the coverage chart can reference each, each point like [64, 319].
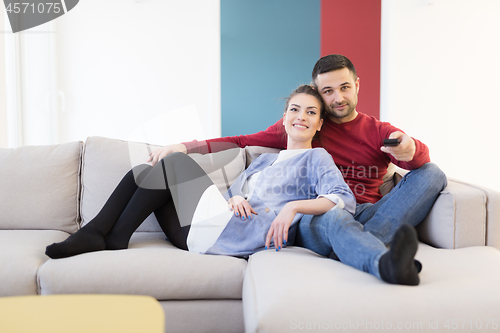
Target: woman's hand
[241, 207]
[160, 153]
[279, 228]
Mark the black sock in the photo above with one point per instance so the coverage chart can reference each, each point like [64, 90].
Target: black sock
[84, 240]
[418, 266]
[398, 266]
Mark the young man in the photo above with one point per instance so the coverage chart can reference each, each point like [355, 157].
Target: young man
[355, 141]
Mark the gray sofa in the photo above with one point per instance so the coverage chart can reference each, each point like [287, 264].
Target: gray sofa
[48, 192]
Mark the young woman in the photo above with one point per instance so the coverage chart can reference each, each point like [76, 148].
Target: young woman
[260, 210]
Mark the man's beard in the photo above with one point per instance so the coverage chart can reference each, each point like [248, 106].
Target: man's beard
[342, 114]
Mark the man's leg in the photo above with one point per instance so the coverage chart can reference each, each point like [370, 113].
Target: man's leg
[338, 231]
[409, 202]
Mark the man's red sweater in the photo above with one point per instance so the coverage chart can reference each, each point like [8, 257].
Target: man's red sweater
[354, 146]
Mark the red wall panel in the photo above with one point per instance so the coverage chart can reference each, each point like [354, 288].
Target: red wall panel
[352, 28]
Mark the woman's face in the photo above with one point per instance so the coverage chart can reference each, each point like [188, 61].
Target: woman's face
[302, 119]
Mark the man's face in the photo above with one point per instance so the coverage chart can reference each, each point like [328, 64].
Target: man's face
[339, 90]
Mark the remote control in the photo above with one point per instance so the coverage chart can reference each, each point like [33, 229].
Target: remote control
[391, 142]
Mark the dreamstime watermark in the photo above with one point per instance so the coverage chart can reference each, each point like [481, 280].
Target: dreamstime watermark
[25, 14]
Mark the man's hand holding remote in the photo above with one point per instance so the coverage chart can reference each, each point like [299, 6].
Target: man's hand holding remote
[404, 151]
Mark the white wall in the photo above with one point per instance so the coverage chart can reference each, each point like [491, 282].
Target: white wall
[142, 69]
[440, 81]
[3, 88]
[139, 70]
[37, 85]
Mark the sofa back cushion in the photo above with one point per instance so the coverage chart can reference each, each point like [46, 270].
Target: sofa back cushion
[106, 161]
[252, 152]
[39, 187]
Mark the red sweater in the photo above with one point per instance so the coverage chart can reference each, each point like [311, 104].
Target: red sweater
[354, 146]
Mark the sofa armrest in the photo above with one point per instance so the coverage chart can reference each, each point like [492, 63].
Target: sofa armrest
[492, 214]
[463, 215]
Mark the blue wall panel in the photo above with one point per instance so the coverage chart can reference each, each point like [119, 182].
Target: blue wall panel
[268, 48]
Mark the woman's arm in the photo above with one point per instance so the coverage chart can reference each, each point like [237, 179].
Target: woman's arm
[279, 228]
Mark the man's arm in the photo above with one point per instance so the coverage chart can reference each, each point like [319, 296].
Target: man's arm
[273, 137]
[410, 154]
[160, 153]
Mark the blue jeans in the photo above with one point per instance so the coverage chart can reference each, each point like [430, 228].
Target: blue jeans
[360, 240]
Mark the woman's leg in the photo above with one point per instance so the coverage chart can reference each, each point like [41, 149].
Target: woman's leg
[123, 213]
[189, 182]
[171, 226]
[91, 236]
[183, 182]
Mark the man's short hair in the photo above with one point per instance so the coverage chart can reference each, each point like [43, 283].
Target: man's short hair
[332, 62]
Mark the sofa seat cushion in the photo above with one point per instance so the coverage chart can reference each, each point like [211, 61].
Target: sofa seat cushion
[295, 289]
[220, 315]
[150, 266]
[21, 254]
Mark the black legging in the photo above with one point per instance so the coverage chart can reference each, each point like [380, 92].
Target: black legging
[176, 180]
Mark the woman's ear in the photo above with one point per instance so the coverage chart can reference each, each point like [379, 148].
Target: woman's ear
[320, 124]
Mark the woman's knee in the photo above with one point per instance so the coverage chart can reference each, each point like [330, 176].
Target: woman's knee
[140, 172]
[182, 167]
[175, 158]
[176, 162]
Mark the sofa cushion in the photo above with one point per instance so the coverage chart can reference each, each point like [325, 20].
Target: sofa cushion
[39, 187]
[296, 289]
[252, 152]
[150, 266]
[106, 161]
[22, 253]
[221, 316]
